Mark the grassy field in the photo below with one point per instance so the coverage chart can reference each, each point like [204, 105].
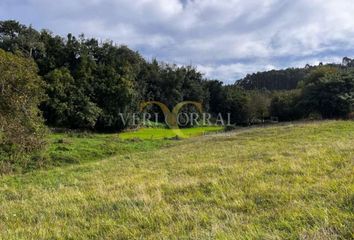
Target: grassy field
[69, 148]
[80, 148]
[161, 133]
[284, 182]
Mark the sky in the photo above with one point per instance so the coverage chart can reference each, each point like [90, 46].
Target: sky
[224, 39]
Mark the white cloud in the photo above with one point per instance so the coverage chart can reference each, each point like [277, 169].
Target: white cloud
[225, 38]
[235, 70]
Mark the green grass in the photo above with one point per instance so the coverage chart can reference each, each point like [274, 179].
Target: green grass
[69, 148]
[284, 182]
[79, 148]
[161, 133]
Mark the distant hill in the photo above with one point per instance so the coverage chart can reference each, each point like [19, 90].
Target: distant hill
[273, 80]
[286, 79]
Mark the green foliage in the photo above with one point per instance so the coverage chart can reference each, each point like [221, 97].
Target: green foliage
[258, 105]
[284, 105]
[21, 125]
[235, 102]
[119, 97]
[171, 84]
[92, 85]
[330, 94]
[216, 96]
[274, 80]
[316, 74]
[326, 92]
[15, 37]
[67, 105]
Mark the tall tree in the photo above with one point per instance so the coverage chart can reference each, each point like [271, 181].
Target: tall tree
[331, 95]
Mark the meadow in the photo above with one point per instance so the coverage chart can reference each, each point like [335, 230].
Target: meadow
[163, 133]
[291, 181]
[73, 148]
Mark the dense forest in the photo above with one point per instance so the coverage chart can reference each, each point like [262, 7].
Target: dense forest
[83, 83]
[274, 80]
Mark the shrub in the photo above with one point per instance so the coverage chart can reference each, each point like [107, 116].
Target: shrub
[331, 95]
[284, 106]
[351, 116]
[21, 126]
[314, 116]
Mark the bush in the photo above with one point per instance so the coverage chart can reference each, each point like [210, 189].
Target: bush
[351, 116]
[331, 95]
[314, 116]
[229, 128]
[284, 106]
[21, 126]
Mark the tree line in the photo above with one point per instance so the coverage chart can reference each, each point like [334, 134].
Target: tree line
[83, 83]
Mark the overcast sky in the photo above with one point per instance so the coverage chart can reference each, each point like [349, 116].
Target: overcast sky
[225, 39]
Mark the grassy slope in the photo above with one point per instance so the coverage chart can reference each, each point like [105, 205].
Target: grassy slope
[285, 182]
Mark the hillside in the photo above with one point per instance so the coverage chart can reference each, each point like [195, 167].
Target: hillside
[283, 182]
[286, 79]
